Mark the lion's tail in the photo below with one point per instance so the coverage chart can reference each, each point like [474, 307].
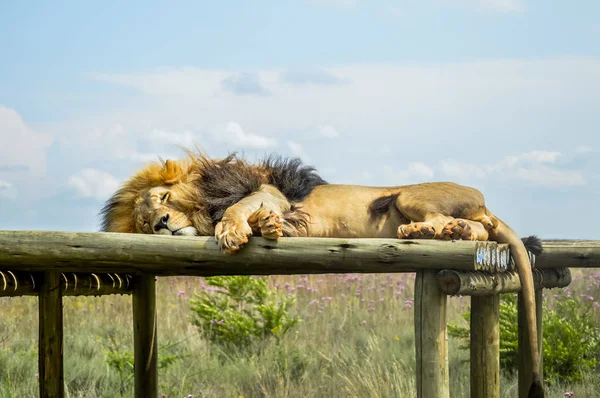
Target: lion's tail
[502, 233]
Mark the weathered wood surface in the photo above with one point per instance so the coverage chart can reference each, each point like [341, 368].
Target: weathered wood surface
[524, 353]
[475, 283]
[145, 347]
[50, 356]
[431, 337]
[168, 255]
[569, 253]
[485, 347]
[22, 283]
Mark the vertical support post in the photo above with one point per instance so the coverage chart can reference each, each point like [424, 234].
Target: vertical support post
[144, 337]
[485, 346]
[524, 355]
[431, 337]
[50, 355]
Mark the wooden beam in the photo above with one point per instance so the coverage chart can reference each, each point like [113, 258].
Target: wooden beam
[569, 253]
[22, 283]
[145, 345]
[174, 255]
[485, 346]
[50, 356]
[431, 337]
[474, 283]
[524, 373]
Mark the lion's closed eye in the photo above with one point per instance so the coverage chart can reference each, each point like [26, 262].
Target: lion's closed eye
[165, 197]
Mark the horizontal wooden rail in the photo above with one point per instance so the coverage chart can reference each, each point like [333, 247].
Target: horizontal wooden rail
[168, 255]
[475, 283]
[23, 283]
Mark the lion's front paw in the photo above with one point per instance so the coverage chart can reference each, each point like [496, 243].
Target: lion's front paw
[271, 226]
[232, 235]
[458, 229]
[416, 230]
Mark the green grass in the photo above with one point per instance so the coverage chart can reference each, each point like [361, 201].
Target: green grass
[346, 345]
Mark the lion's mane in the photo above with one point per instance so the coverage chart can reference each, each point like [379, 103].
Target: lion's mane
[210, 186]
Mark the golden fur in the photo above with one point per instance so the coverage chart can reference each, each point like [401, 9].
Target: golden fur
[234, 200]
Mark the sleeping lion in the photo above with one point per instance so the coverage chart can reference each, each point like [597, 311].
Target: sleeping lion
[233, 200]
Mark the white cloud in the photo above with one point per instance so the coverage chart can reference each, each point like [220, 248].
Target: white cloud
[7, 190]
[531, 167]
[540, 156]
[328, 131]
[92, 183]
[298, 150]
[246, 83]
[187, 138]
[22, 147]
[585, 149]
[233, 135]
[415, 172]
[419, 169]
[546, 176]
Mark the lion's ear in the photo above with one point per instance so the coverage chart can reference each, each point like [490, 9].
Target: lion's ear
[171, 172]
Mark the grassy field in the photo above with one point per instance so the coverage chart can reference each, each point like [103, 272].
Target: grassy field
[355, 340]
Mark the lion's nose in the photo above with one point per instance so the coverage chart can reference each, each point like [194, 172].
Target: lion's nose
[162, 223]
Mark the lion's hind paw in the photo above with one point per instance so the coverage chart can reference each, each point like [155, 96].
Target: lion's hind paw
[458, 229]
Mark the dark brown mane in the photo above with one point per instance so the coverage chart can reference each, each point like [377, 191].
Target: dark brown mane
[225, 182]
[294, 179]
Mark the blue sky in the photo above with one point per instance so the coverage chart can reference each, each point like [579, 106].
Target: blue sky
[502, 95]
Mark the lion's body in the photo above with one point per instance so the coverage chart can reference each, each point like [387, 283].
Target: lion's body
[277, 197]
[346, 211]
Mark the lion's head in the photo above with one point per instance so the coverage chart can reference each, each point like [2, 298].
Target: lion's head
[183, 197]
[163, 198]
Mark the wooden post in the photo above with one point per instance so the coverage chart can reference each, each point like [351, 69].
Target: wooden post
[144, 337]
[524, 355]
[50, 355]
[431, 337]
[485, 346]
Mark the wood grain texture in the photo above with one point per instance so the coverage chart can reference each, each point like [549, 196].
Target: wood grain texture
[168, 255]
[475, 283]
[485, 347]
[50, 356]
[431, 337]
[145, 347]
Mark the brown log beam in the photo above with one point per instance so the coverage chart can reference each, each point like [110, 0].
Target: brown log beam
[172, 255]
[482, 284]
[431, 337]
[50, 356]
[145, 346]
[485, 346]
[569, 253]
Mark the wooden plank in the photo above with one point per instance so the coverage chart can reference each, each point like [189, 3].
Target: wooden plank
[485, 346]
[178, 255]
[22, 283]
[431, 337]
[524, 373]
[475, 283]
[145, 338]
[50, 356]
[569, 253]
